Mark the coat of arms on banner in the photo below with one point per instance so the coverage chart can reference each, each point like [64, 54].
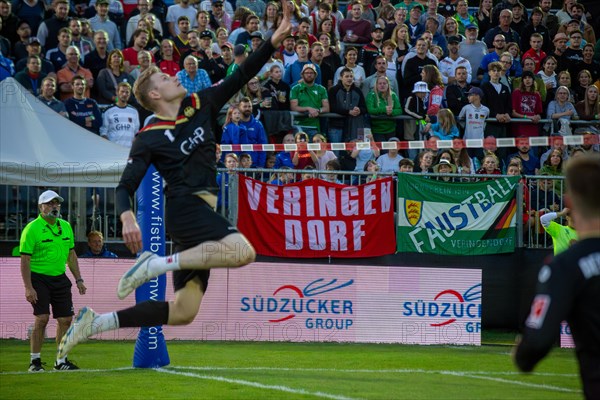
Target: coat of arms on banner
[413, 210]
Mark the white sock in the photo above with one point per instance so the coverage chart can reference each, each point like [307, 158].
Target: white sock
[35, 355]
[105, 322]
[159, 265]
[102, 323]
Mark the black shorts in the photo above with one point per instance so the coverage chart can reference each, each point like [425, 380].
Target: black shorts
[191, 221]
[55, 291]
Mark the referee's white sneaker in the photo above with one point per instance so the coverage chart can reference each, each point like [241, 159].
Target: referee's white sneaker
[78, 332]
[136, 276]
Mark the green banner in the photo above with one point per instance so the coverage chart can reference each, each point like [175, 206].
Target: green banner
[456, 218]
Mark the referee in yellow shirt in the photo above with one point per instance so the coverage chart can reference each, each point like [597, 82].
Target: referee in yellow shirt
[47, 245]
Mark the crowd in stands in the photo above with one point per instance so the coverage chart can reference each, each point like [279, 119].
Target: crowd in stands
[446, 68]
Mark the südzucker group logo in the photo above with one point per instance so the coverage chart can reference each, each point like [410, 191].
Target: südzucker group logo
[319, 311]
[449, 305]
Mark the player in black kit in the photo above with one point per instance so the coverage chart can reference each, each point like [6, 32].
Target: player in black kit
[181, 144]
[569, 288]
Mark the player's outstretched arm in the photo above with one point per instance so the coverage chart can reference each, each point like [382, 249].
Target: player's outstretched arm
[217, 96]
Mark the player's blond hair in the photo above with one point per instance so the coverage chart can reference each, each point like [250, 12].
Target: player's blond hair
[143, 85]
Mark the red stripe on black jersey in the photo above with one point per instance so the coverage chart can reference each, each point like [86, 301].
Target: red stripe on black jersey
[195, 101]
[158, 125]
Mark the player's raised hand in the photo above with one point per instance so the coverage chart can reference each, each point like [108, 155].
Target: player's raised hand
[285, 26]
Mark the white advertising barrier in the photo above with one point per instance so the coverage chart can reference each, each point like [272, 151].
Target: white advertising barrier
[291, 302]
[347, 303]
[566, 337]
[101, 277]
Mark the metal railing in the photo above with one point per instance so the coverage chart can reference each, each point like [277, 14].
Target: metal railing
[94, 209]
[549, 122]
[86, 209]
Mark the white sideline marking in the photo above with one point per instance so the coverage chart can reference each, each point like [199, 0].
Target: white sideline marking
[535, 385]
[465, 374]
[371, 371]
[485, 375]
[256, 384]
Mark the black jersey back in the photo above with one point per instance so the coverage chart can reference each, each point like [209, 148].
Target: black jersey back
[183, 150]
[568, 289]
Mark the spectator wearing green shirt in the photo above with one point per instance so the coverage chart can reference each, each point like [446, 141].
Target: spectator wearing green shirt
[46, 246]
[310, 98]
[563, 236]
[240, 53]
[383, 101]
[407, 4]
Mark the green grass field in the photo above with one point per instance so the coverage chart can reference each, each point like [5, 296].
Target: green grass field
[233, 370]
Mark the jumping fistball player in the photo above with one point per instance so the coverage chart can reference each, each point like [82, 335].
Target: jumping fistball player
[180, 142]
[569, 288]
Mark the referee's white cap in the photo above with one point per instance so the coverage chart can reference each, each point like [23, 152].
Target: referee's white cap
[49, 195]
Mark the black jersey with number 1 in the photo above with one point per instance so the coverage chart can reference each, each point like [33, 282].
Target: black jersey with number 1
[183, 150]
[568, 289]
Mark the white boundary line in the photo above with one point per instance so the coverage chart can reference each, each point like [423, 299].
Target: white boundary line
[519, 383]
[256, 384]
[352, 371]
[175, 370]
[466, 374]
[371, 371]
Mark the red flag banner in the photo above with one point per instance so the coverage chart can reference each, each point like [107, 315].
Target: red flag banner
[315, 218]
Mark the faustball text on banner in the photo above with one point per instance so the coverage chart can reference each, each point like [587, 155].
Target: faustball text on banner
[315, 218]
[456, 218]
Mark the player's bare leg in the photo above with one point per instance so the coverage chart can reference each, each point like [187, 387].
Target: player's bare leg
[181, 311]
[232, 251]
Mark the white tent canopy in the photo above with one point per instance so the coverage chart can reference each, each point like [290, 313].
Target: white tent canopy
[39, 147]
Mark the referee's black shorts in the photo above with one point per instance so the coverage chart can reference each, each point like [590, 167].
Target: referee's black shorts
[191, 221]
[55, 291]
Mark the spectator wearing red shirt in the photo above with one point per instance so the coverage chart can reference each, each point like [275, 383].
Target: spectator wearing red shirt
[140, 40]
[536, 42]
[526, 103]
[168, 64]
[355, 29]
[303, 31]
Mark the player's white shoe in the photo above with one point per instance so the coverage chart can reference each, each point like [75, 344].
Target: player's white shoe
[136, 276]
[78, 332]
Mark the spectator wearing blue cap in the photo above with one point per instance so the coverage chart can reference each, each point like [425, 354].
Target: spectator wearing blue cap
[415, 28]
